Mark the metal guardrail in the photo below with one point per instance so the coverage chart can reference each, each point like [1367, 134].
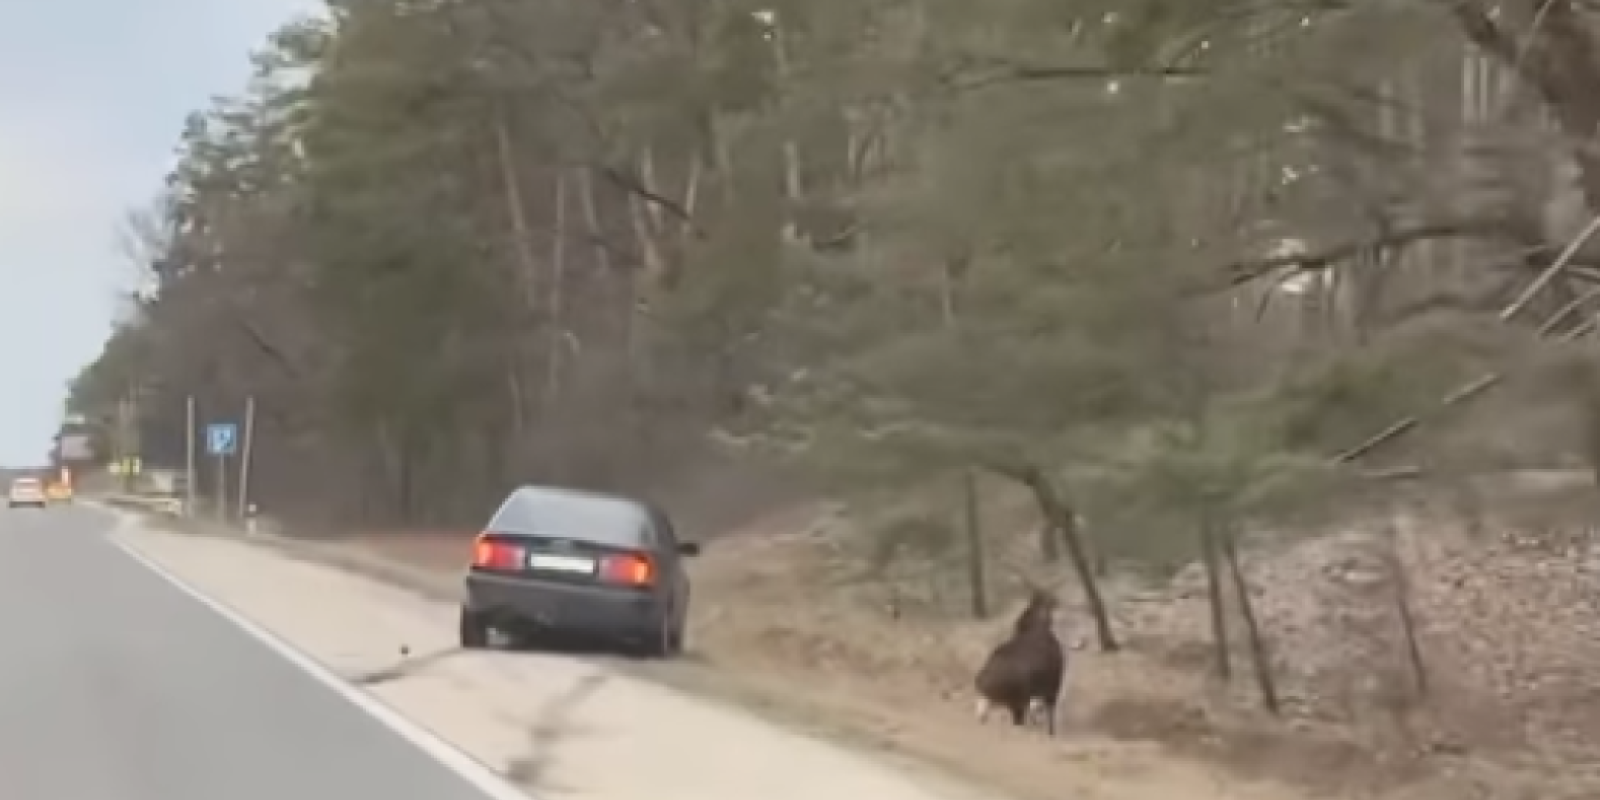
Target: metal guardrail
[170, 506]
[175, 508]
[443, 588]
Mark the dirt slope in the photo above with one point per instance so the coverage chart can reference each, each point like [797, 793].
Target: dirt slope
[1504, 620]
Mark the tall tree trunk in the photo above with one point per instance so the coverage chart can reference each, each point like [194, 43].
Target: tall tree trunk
[647, 179]
[591, 221]
[691, 198]
[1554, 51]
[1403, 610]
[793, 185]
[977, 561]
[977, 566]
[1063, 522]
[1211, 558]
[1260, 660]
[517, 398]
[521, 243]
[555, 293]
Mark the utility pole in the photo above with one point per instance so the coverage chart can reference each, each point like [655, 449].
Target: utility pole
[222, 487]
[190, 479]
[136, 394]
[124, 437]
[245, 452]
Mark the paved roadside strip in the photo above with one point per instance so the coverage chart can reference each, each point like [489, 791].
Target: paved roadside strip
[559, 726]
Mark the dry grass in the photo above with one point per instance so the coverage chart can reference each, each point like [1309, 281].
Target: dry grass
[785, 622]
[765, 641]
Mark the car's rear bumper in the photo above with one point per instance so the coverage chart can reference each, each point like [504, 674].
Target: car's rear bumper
[510, 601]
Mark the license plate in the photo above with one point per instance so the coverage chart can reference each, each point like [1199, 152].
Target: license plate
[557, 563]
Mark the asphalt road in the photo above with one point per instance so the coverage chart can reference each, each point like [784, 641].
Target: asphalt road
[116, 685]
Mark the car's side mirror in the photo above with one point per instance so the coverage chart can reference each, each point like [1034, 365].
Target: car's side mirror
[688, 548]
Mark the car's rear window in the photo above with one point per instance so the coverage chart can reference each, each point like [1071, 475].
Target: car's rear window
[592, 518]
[26, 483]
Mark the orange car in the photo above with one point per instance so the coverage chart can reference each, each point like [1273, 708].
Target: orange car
[58, 492]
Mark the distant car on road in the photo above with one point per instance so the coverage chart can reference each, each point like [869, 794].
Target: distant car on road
[557, 560]
[27, 492]
[58, 492]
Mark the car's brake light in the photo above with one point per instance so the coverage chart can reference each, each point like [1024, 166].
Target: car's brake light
[629, 569]
[490, 553]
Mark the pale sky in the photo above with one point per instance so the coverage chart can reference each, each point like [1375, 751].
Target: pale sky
[93, 94]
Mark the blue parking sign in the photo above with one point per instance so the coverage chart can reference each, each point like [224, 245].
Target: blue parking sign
[222, 438]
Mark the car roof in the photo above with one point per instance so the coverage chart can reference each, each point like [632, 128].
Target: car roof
[571, 514]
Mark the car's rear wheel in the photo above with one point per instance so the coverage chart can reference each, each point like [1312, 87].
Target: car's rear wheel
[676, 638]
[663, 642]
[475, 630]
[527, 639]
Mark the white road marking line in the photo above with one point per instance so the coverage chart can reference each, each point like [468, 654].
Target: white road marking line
[474, 772]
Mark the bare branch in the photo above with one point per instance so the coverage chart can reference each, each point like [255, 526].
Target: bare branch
[1242, 272]
[631, 184]
[991, 72]
[1554, 271]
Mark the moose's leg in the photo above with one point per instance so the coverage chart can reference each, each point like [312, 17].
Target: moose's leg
[1042, 713]
[1049, 703]
[1019, 712]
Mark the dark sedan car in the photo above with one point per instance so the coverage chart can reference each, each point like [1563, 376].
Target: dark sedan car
[558, 560]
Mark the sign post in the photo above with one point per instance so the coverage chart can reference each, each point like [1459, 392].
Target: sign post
[191, 481]
[222, 441]
[248, 445]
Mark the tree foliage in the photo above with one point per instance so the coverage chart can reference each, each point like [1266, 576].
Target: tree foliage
[1175, 253]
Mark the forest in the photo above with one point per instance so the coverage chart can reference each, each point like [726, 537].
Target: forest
[464, 243]
[1174, 272]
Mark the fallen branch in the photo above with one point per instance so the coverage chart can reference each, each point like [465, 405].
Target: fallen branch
[1022, 73]
[1404, 610]
[970, 71]
[1554, 271]
[1489, 380]
[631, 183]
[1391, 473]
[1242, 272]
[1462, 394]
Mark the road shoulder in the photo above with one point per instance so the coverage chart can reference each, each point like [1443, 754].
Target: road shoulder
[556, 724]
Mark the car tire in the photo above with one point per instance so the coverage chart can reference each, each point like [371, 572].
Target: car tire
[676, 639]
[527, 640]
[661, 642]
[475, 630]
